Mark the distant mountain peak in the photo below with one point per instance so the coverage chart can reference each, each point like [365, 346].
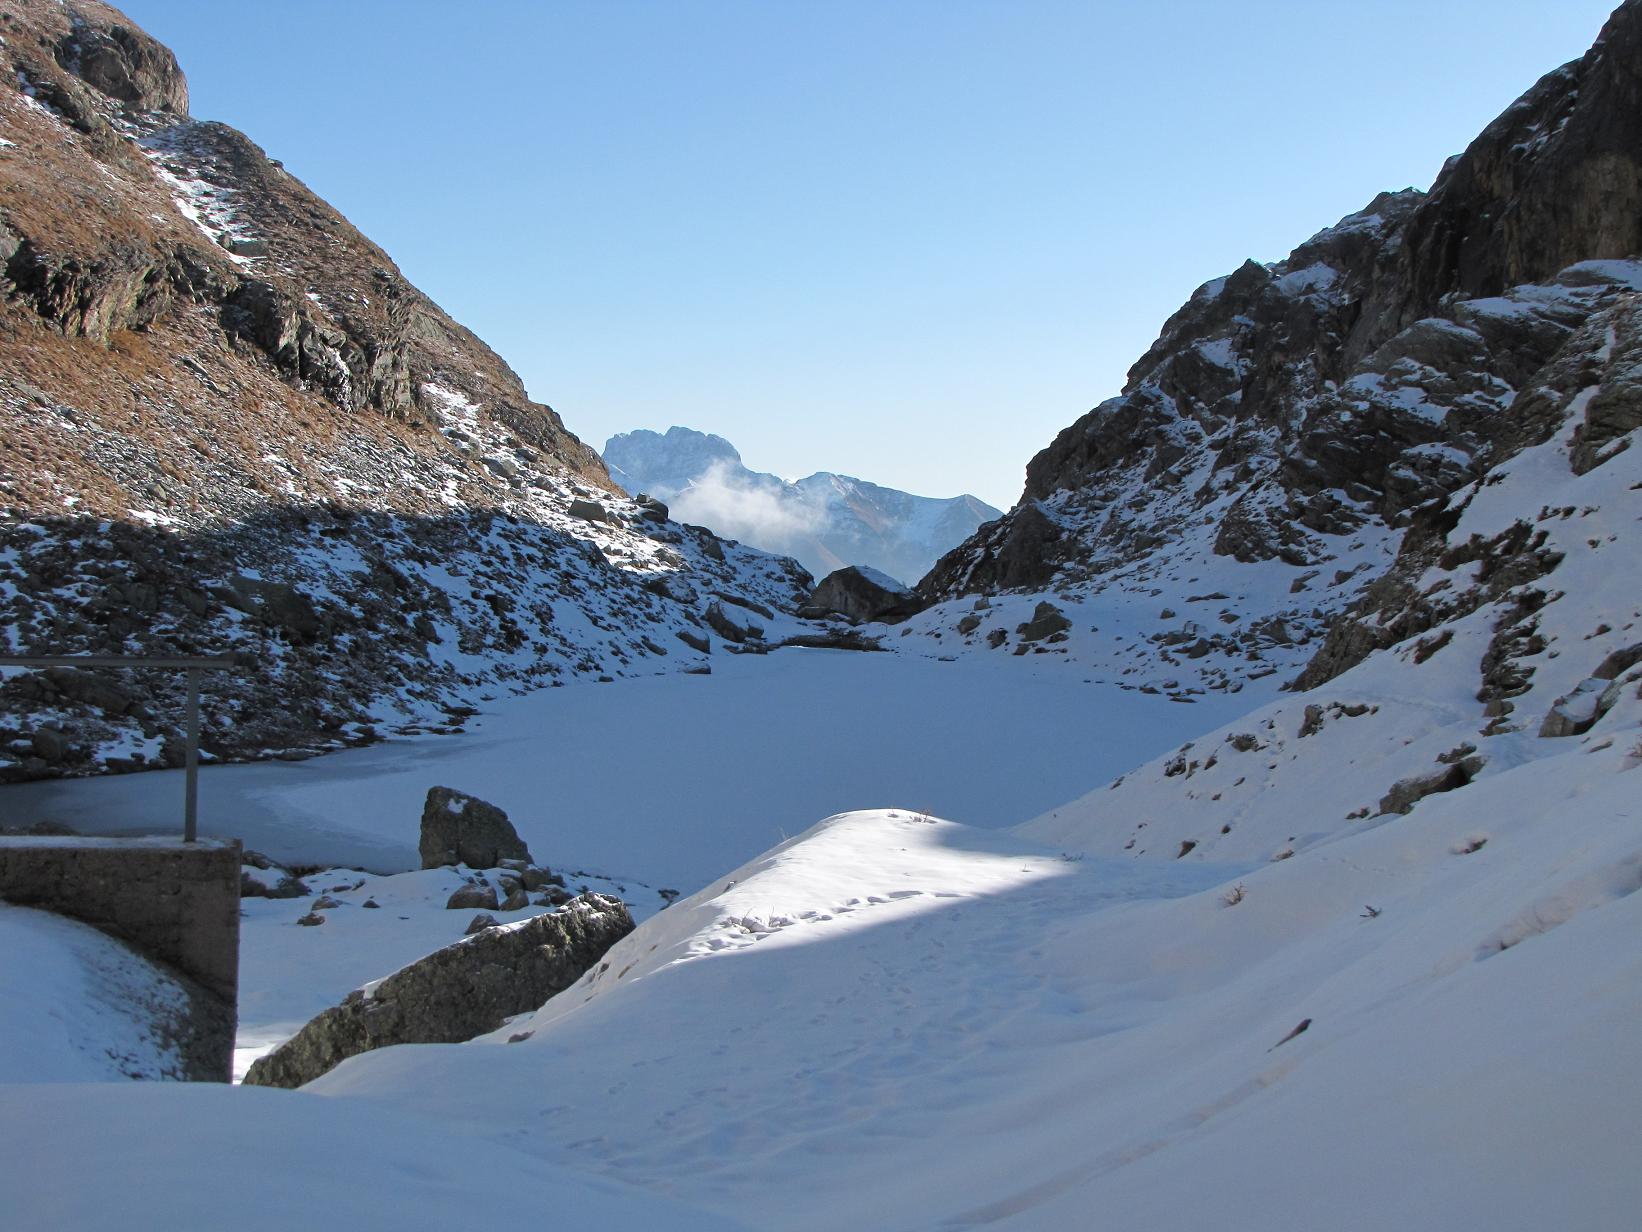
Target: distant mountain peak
[825, 521]
[668, 459]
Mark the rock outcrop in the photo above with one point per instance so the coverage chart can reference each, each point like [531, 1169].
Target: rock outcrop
[456, 993]
[261, 877]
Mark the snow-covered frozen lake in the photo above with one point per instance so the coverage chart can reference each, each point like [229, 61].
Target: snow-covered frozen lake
[672, 780]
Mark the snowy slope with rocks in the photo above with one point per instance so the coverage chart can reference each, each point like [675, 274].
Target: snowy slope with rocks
[233, 427]
[1354, 957]
[1378, 929]
[824, 521]
[1293, 422]
[1165, 584]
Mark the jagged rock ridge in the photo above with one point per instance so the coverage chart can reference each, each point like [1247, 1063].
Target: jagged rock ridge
[825, 521]
[1313, 418]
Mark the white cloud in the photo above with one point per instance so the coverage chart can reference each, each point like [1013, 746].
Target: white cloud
[739, 506]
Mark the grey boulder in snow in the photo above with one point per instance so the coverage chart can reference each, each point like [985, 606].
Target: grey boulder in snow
[461, 829]
[261, 877]
[469, 897]
[861, 594]
[1047, 620]
[732, 628]
[456, 993]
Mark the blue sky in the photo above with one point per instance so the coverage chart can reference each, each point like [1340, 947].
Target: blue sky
[907, 240]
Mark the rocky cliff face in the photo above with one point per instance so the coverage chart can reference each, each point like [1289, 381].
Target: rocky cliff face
[231, 425]
[1297, 425]
[824, 521]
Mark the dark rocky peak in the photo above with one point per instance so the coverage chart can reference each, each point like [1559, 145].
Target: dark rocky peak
[1239, 357]
[1556, 179]
[117, 59]
[85, 61]
[122, 220]
[1214, 408]
[1304, 418]
[1365, 374]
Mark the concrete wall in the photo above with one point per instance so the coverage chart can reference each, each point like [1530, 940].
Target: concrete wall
[176, 902]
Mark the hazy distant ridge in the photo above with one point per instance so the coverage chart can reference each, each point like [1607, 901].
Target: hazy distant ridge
[825, 520]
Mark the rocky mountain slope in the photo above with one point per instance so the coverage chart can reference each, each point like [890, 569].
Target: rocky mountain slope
[824, 521]
[232, 425]
[1292, 447]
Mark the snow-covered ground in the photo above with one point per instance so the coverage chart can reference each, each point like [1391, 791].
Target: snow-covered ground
[906, 1024]
[898, 1021]
[148, 1157]
[1065, 951]
[78, 1006]
[632, 788]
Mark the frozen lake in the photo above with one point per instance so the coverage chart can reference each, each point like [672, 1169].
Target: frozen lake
[673, 779]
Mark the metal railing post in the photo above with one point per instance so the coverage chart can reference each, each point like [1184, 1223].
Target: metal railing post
[191, 762]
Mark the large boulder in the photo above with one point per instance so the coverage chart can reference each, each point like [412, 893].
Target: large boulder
[456, 993]
[650, 509]
[588, 511]
[461, 829]
[1457, 772]
[1047, 620]
[861, 594]
[469, 897]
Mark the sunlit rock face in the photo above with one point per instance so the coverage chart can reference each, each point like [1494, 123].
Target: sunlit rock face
[1300, 428]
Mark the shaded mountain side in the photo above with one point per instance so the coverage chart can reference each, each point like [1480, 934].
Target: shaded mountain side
[230, 424]
[1293, 421]
[825, 520]
[347, 625]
